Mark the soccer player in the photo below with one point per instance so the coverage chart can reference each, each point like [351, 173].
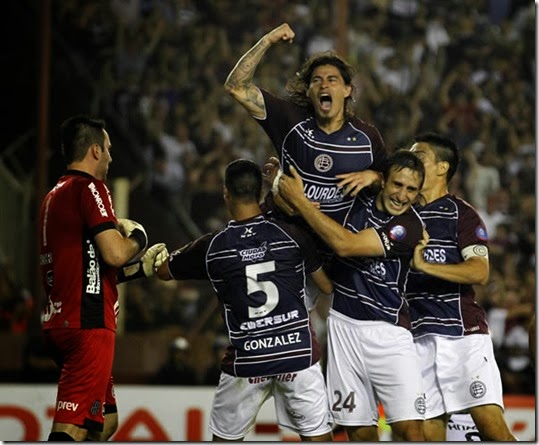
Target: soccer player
[258, 267]
[450, 329]
[82, 246]
[314, 130]
[371, 354]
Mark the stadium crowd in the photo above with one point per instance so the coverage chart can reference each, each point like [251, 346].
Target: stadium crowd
[466, 68]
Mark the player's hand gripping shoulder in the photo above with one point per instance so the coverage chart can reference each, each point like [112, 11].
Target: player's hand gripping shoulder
[291, 190]
[353, 183]
[271, 174]
[154, 257]
[132, 229]
[271, 171]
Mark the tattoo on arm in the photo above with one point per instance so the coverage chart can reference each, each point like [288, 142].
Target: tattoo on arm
[242, 74]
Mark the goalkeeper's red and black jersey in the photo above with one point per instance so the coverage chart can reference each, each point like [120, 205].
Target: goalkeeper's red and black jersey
[258, 268]
[80, 288]
[438, 306]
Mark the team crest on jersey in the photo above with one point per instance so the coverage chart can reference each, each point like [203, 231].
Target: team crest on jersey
[323, 163]
[478, 389]
[50, 278]
[481, 233]
[397, 233]
[94, 409]
[420, 405]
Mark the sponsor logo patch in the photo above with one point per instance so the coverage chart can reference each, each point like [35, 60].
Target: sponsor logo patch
[254, 254]
[481, 233]
[397, 233]
[68, 406]
[248, 232]
[296, 415]
[98, 199]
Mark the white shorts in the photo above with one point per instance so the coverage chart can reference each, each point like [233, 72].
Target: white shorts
[458, 373]
[301, 403]
[371, 362]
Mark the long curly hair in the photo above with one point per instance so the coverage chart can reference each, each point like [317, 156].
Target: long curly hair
[297, 86]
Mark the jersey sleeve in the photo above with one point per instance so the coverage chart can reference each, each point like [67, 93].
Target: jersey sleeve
[189, 262]
[471, 228]
[380, 154]
[400, 236]
[379, 151]
[96, 207]
[281, 115]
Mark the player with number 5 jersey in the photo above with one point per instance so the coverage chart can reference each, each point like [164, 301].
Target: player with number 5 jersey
[258, 267]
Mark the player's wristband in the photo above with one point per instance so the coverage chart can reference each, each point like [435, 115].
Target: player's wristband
[275, 185]
[140, 237]
[130, 272]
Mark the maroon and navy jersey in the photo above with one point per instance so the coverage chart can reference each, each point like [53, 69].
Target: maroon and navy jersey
[80, 286]
[438, 306]
[318, 156]
[369, 288]
[258, 269]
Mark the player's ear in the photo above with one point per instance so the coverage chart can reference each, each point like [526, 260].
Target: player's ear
[96, 151]
[442, 167]
[347, 91]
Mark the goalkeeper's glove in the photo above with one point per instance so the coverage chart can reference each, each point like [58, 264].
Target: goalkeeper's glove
[154, 257]
[133, 229]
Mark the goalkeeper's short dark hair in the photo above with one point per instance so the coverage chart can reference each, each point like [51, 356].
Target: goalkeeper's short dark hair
[77, 133]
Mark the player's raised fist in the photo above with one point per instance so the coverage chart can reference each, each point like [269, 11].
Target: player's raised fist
[282, 32]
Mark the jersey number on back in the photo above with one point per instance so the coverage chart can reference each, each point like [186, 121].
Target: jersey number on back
[252, 273]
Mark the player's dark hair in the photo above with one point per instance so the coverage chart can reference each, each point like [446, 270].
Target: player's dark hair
[77, 133]
[444, 149]
[243, 180]
[405, 159]
[298, 85]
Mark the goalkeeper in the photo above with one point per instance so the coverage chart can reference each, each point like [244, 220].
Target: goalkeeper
[82, 247]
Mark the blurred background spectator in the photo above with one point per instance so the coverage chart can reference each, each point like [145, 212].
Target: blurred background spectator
[177, 369]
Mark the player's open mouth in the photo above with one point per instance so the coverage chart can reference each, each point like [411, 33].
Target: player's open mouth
[325, 102]
[396, 204]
